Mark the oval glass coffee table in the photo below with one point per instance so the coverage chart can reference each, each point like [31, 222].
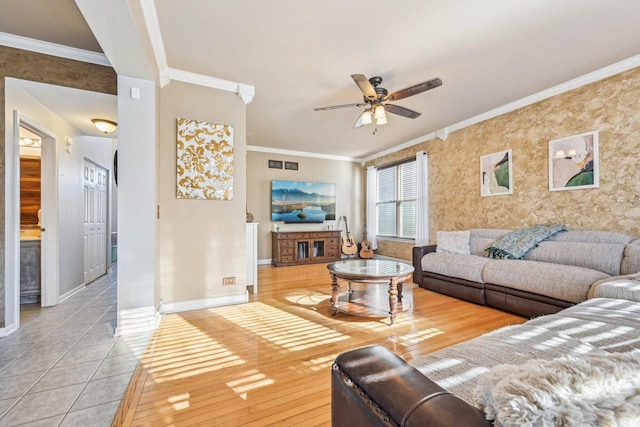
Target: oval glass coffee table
[368, 272]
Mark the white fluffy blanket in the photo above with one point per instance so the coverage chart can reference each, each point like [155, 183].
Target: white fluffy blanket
[592, 390]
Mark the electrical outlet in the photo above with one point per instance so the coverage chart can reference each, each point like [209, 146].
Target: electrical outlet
[228, 281]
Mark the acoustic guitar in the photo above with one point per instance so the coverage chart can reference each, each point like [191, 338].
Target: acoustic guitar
[348, 242]
[365, 250]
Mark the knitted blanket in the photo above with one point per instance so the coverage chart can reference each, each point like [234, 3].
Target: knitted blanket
[516, 244]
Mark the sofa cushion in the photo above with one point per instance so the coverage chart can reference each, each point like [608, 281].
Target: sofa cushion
[607, 323]
[468, 267]
[631, 259]
[623, 287]
[605, 257]
[592, 236]
[482, 238]
[453, 242]
[458, 367]
[563, 282]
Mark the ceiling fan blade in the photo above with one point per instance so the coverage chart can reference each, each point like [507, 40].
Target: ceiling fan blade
[358, 123]
[401, 111]
[415, 89]
[364, 85]
[335, 107]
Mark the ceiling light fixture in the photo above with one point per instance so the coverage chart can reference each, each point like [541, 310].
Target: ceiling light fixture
[104, 125]
[378, 112]
[366, 117]
[30, 142]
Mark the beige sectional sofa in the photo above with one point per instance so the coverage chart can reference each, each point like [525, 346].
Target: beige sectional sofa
[460, 385]
[557, 274]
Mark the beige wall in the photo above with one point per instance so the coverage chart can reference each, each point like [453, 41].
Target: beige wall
[345, 174]
[609, 106]
[201, 241]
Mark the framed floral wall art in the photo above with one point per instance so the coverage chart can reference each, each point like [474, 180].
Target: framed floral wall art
[573, 162]
[496, 174]
[204, 160]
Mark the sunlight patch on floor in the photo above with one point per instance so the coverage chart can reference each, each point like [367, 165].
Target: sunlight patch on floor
[279, 327]
[320, 363]
[183, 351]
[253, 380]
[419, 336]
[180, 401]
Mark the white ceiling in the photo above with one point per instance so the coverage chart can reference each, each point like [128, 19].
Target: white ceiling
[77, 107]
[299, 54]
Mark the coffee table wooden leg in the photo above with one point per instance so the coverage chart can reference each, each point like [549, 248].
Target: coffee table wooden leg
[393, 299]
[334, 293]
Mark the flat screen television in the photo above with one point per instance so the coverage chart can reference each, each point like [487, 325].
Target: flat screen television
[302, 202]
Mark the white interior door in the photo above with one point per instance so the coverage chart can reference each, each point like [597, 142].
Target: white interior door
[95, 221]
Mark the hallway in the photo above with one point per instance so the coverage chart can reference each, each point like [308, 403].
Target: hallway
[64, 367]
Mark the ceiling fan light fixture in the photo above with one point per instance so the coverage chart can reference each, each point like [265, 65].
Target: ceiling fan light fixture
[378, 113]
[382, 121]
[366, 117]
[104, 125]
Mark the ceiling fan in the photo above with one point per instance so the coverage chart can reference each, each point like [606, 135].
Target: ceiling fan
[376, 98]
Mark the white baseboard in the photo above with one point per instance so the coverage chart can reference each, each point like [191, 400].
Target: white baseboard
[264, 261]
[7, 330]
[71, 293]
[137, 320]
[200, 304]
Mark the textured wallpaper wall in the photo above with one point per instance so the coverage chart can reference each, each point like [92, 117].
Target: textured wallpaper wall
[611, 106]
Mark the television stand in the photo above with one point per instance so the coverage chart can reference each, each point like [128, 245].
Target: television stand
[304, 247]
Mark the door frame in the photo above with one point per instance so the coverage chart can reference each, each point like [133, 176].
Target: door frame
[49, 220]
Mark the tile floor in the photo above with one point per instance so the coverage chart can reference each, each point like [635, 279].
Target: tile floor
[64, 367]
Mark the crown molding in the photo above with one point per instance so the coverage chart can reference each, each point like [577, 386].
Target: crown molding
[602, 73]
[586, 79]
[245, 92]
[53, 49]
[302, 154]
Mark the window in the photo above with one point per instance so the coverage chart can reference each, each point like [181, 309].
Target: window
[396, 200]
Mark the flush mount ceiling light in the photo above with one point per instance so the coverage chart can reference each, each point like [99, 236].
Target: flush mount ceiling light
[30, 142]
[104, 125]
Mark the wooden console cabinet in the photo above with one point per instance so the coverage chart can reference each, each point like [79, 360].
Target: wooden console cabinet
[304, 247]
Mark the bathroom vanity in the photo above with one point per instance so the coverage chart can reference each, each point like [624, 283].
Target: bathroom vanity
[29, 270]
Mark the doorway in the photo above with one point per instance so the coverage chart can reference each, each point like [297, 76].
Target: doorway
[30, 217]
[67, 138]
[34, 276]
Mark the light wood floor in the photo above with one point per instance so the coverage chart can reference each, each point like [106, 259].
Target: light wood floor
[268, 362]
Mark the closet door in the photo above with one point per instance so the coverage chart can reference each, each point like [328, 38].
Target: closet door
[95, 221]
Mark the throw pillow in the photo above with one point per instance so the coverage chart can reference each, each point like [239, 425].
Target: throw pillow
[453, 242]
[591, 390]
